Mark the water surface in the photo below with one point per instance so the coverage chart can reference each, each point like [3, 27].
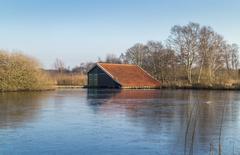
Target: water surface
[119, 122]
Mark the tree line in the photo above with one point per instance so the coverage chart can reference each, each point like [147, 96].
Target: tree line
[192, 54]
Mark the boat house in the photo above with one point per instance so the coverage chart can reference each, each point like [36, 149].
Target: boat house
[107, 75]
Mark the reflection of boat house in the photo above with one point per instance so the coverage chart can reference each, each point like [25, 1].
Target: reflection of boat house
[106, 75]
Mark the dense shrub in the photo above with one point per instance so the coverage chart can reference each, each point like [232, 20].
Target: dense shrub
[20, 72]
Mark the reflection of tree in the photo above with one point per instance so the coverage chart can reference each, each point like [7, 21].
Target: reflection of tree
[17, 108]
[189, 117]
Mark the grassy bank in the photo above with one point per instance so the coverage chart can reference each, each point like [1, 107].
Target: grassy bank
[19, 72]
[199, 86]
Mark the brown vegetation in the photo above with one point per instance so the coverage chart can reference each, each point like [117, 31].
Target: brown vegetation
[20, 72]
[71, 79]
[64, 76]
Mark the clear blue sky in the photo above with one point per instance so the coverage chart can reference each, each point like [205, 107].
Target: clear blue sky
[80, 31]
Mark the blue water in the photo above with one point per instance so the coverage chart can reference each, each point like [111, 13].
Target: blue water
[119, 122]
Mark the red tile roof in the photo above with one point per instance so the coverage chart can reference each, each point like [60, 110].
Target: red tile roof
[129, 76]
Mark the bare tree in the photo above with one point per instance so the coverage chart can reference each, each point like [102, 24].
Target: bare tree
[234, 56]
[83, 68]
[153, 59]
[59, 65]
[112, 58]
[159, 60]
[231, 60]
[205, 34]
[136, 54]
[211, 52]
[185, 40]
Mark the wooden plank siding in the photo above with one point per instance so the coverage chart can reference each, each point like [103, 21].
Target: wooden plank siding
[97, 78]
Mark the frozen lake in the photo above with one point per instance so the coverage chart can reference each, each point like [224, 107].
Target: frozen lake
[120, 122]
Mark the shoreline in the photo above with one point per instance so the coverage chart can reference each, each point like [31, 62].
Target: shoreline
[68, 87]
[56, 87]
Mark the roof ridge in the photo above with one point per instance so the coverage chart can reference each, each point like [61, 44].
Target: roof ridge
[116, 64]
